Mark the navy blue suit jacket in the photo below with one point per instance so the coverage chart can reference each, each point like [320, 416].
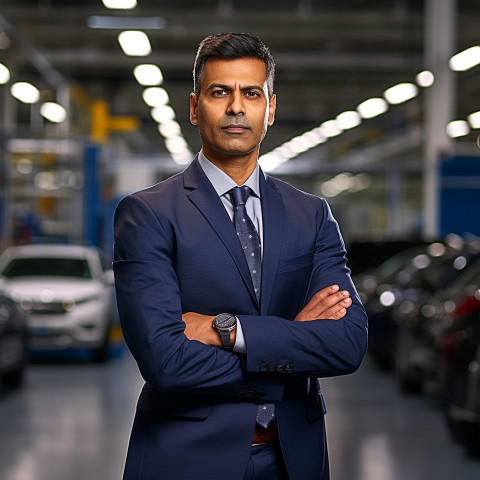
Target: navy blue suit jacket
[176, 251]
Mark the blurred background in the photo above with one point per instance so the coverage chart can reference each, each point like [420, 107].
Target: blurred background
[378, 111]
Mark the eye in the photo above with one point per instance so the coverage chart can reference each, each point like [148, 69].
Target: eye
[219, 92]
[252, 94]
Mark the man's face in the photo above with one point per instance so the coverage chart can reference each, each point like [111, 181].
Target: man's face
[233, 110]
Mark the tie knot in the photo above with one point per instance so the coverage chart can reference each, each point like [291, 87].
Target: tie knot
[239, 195]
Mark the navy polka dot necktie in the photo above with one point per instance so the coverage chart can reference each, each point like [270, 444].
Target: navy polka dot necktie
[247, 234]
[250, 241]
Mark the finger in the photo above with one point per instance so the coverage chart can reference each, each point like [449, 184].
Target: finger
[324, 293]
[324, 303]
[320, 297]
[337, 311]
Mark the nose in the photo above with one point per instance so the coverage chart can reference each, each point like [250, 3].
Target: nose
[236, 105]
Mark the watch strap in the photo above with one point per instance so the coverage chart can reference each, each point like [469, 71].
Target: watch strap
[225, 338]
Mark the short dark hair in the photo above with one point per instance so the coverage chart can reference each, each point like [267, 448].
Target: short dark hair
[229, 46]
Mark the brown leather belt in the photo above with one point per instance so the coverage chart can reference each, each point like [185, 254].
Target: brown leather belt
[265, 435]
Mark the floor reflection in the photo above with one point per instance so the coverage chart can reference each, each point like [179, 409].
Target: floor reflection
[71, 421]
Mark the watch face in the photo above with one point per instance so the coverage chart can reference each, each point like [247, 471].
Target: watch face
[225, 321]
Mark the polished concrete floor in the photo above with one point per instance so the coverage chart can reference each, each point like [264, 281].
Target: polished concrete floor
[71, 421]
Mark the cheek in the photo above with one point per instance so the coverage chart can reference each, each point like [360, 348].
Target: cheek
[208, 117]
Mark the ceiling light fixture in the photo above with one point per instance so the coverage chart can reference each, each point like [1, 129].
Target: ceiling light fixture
[109, 22]
[176, 144]
[134, 43]
[170, 129]
[155, 96]
[54, 112]
[163, 113]
[425, 79]
[4, 74]
[458, 128]
[474, 120]
[120, 4]
[349, 119]
[400, 93]
[465, 60]
[148, 74]
[330, 128]
[372, 107]
[25, 92]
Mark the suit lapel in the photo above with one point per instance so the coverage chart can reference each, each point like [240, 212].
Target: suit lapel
[205, 198]
[273, 219]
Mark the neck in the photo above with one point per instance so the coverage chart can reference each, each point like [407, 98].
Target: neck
[238, 168]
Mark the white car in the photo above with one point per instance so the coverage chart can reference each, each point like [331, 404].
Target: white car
[66, 293]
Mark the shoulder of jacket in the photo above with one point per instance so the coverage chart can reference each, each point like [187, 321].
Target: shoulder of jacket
[286, 188]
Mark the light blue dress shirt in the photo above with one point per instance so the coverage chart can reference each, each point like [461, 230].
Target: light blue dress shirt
[222, 184]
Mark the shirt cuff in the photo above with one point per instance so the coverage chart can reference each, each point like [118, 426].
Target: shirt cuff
[239, 346]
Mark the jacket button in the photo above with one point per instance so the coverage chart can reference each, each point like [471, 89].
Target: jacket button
[288, 367]
[280, 368]
[263, 367]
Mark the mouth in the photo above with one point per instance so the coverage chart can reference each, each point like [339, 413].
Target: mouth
[235, 128]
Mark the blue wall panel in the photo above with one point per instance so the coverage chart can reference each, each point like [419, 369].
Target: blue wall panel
[460, 195]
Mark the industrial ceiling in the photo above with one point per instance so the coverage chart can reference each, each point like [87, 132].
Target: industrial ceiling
[331, 55]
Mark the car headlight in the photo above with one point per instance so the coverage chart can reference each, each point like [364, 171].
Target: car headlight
[68, 304]
[92, 298]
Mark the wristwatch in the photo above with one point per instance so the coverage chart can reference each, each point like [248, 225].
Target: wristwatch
[224, 323]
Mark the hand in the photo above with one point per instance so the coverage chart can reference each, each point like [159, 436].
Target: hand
[199, 327]
[328, 303]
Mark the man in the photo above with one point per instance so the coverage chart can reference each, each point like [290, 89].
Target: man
[232, 314]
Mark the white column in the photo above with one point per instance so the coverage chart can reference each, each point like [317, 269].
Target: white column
[440, 102]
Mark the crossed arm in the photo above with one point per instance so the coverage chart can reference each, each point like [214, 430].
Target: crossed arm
[328, 303]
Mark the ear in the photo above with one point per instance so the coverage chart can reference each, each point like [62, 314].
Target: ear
[193, 109]
[272, 105]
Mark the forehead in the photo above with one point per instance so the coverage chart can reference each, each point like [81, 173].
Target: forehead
[241, 71]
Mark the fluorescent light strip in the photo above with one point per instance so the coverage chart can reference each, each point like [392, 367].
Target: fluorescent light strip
[126, 23]
[372, 107]
[465, 60]
[148, 74]
[474, 120]
[400, 93]
[134, 43]
[25, 92]
[457, 128]
[4, 74]
[348, 119]
[54, 112]
[120, 4]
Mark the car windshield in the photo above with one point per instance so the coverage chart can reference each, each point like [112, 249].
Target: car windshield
[44, 266]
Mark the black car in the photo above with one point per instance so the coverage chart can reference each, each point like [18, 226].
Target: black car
[420, 325]
[420, 272]
[13, 343]
[461, 387]
[365, 256]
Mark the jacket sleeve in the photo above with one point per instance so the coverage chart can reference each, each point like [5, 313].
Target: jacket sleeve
[150, 310]
[319, 348]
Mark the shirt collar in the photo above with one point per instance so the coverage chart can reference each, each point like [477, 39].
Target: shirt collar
[221, 182]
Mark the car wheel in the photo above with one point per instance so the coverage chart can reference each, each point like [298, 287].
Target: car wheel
[405, 383]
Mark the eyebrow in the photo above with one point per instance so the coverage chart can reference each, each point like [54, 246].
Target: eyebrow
[228, 87]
